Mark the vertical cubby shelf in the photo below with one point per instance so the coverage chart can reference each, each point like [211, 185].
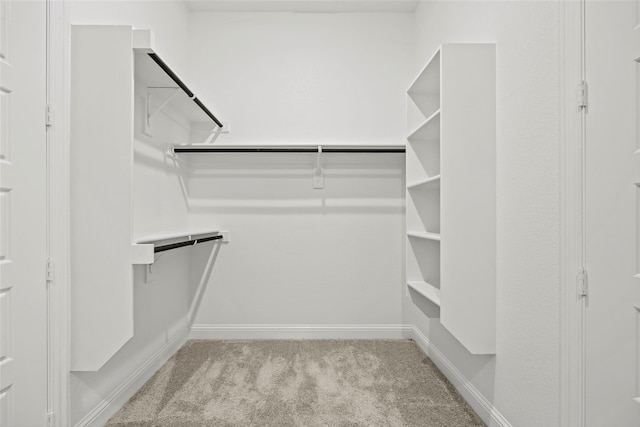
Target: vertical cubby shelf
[451, 190]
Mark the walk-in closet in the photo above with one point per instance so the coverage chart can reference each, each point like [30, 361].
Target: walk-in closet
[314, 213]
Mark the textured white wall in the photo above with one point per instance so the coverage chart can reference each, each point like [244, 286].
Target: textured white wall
[160, 307]
[304, 77]
[522, 380]
[299, 255]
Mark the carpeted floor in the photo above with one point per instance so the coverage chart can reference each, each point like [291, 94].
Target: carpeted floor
[297, 383]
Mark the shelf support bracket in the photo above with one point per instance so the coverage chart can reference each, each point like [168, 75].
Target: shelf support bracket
[149, 112]
[318, 173]
[215, 133]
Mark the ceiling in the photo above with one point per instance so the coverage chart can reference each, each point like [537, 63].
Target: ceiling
[309, 6]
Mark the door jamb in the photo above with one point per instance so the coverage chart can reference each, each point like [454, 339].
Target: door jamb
[58, 213]
[572, 307]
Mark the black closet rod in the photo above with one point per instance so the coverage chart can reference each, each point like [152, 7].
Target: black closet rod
[186, 243]
[184, 87]
[325, 149]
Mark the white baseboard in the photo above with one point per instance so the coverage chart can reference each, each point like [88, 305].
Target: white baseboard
[99, 415]
[485, 409]
[280, 332]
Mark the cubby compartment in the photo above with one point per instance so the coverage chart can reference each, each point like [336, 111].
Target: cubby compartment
[424, 92]
[423, 208]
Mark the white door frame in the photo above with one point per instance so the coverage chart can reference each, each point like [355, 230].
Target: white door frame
[572, 315]
[58, 211]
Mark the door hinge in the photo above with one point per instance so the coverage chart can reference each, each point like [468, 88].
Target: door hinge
[582, 93]
[51, 272]
[581, 281]
[49, 115]
[51, 419]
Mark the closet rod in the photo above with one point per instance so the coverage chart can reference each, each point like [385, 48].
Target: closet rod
[184, 87]
[310, 149]
[185, 243]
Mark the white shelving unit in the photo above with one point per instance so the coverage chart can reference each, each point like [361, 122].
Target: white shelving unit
[110, 63]
[451, 191]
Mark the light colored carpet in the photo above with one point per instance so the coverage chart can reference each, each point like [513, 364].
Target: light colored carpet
[297, 383]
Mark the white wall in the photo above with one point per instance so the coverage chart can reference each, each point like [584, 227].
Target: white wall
[522, 380]
[304, 77]
[160, 307]
[300, 256]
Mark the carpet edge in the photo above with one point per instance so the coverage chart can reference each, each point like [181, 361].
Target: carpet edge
[101, 413]
[483, 407]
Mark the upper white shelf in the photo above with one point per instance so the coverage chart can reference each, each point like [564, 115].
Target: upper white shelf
[160, 80]
[429, 130]
[428, 81]
[144, 247]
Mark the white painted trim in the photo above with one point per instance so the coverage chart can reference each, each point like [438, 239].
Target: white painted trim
[483, 407]
[261, 332]
[99, 415]
[571, 373]
[58, 210]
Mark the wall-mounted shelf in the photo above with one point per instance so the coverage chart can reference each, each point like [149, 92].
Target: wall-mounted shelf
[167, 241]
[163, 87]
[318, 150]
[427, 290]
[329, 148]
[431, 183]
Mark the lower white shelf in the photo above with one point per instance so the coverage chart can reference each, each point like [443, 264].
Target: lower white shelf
[427, 290]
[145, 247]
[178, 236]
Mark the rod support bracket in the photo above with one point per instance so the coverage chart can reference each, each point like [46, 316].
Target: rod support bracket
[150, 110]
[318, 173]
